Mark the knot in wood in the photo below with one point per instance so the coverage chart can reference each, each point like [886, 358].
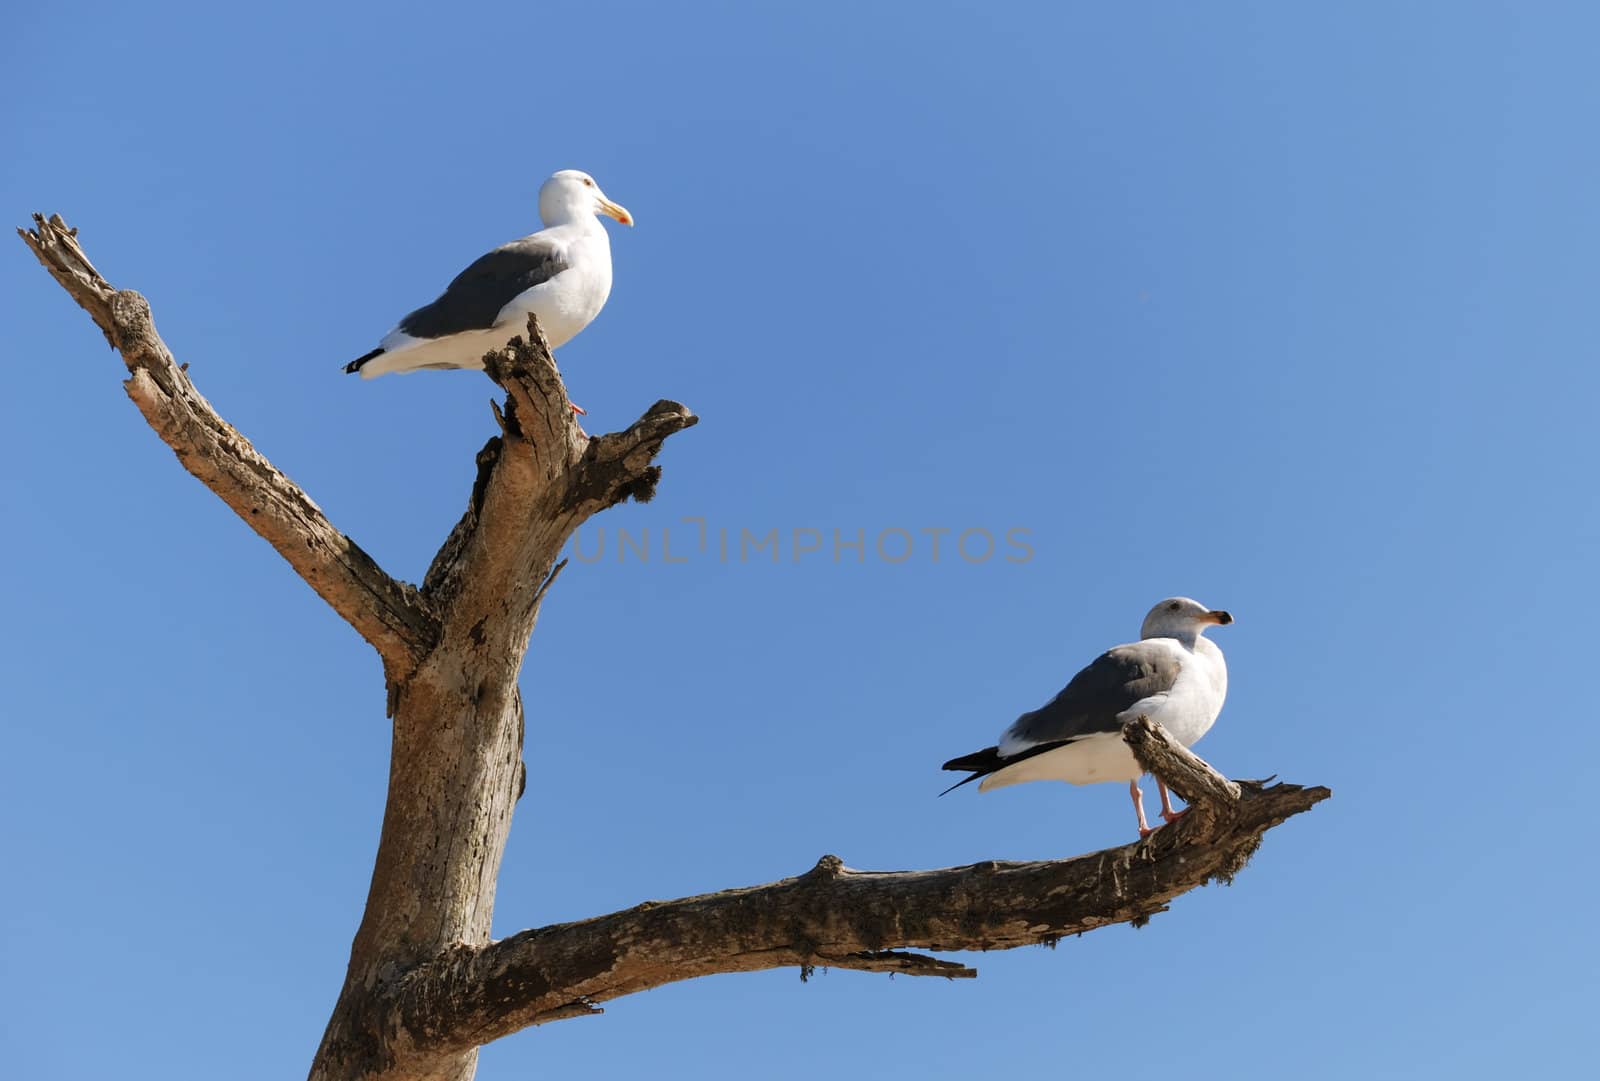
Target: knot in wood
[829, 866]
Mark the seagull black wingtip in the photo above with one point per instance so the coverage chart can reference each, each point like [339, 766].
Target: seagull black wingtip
[981, 763]
[958, 784]
[355, 365]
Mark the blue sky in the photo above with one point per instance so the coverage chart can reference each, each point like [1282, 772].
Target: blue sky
[1284, 307]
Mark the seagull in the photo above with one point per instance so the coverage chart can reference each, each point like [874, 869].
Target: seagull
[562, 274]
[1173, 675]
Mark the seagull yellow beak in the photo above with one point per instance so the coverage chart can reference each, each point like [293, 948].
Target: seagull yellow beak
[1221, 619]
[615, 210]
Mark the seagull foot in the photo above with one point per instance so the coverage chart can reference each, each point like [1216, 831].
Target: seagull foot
[1166, 803]
[1138, 809]
[578, 409]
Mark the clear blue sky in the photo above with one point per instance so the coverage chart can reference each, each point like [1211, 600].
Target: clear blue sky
[1285, 307]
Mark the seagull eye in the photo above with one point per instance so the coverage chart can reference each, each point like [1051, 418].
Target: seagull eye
[589, 182]
[1173, 607]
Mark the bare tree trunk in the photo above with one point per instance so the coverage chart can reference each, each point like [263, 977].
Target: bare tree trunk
[426, 986]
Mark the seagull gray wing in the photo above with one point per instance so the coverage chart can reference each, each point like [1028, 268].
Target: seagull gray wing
[1094, 698]
[480, 292]
[1088, 705]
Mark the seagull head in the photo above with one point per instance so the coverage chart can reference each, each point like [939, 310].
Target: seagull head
[1181, 618]
[572, 195]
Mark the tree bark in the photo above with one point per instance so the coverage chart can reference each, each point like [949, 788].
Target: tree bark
[425, 985]
[835, 917]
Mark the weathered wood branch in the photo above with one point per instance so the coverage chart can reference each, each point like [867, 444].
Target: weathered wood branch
[425, 986]
[835, 917]
[452, 651]
[457, 768]
[1211, 797]
[388, 613]
[542, 470]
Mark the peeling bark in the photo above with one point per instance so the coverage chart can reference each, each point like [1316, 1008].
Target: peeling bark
[425, 985]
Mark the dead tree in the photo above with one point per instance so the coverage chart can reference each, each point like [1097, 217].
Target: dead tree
[426, 986]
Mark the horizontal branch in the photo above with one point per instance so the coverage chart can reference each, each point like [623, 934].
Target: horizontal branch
[831, 916]
[389, 614]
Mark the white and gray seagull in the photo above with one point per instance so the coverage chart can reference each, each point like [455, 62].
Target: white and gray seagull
[562, 274]
[1173, 674]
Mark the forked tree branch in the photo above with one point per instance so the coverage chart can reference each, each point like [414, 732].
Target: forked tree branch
[835, 917]
[452, 651]
[425, 986]
[389, 614]
[542, 474]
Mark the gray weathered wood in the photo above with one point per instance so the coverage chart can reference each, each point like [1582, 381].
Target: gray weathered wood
[456, 769]
[389, 614]
[425, 985]
[830, 917]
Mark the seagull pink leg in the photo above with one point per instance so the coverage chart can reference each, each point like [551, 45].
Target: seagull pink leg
[1138, 808]
[1166, 803]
